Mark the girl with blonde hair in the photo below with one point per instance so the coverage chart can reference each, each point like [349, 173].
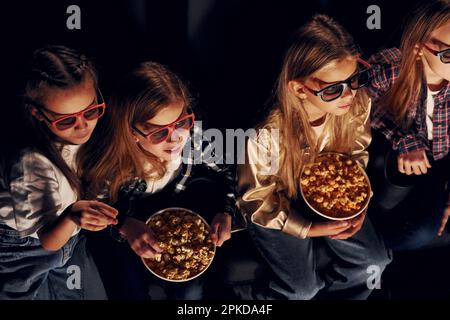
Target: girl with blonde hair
[322, 106]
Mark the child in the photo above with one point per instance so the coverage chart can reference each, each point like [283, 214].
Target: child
[410, 87]
[143, 159]
[321, 107]
[40, 212]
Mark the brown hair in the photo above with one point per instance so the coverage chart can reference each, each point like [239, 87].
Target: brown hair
[114, 156]
[316, 44]
[406, 90]
[53, 67]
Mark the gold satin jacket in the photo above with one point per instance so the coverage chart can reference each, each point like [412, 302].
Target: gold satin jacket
[265, 203]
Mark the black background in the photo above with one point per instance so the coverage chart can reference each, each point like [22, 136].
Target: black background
[231, 61]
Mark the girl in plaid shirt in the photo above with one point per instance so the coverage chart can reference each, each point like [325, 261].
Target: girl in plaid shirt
[147, 154]
[411, 91]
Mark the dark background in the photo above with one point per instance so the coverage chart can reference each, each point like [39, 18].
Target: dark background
[228, 51]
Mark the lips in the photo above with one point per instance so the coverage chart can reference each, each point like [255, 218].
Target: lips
[83, 135]
[345, 106]
[174, 150]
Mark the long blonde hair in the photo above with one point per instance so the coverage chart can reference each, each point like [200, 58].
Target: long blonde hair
[317, 43]
[407, 89]
[114, 155]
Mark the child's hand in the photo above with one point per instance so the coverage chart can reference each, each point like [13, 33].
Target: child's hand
[444, 219]
[413, 162]
[92, 215]
[356, 225]
[141, 238]
[327, 229]
[220, 228]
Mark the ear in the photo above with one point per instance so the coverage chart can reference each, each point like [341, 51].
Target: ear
[35, 113]
[134, 134]
[418, 51]
[297, 88]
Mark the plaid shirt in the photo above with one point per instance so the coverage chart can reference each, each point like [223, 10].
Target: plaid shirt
[384, 73]
[201, 153]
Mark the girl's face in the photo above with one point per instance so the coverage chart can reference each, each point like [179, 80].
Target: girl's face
[440, 40]
[58, 103]
[172, 147]
[332, 73]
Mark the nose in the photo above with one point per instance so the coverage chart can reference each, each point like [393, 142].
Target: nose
[176, 135]
[81, 123]
[348, 92]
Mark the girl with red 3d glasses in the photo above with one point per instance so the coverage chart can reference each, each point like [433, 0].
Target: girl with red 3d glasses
[411, 92]
[150, 158]
[41, 212]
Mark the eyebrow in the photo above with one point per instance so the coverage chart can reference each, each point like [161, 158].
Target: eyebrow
[441, 42]
[148, 125]
[335, 82]
[325, 82]
[67, 114]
